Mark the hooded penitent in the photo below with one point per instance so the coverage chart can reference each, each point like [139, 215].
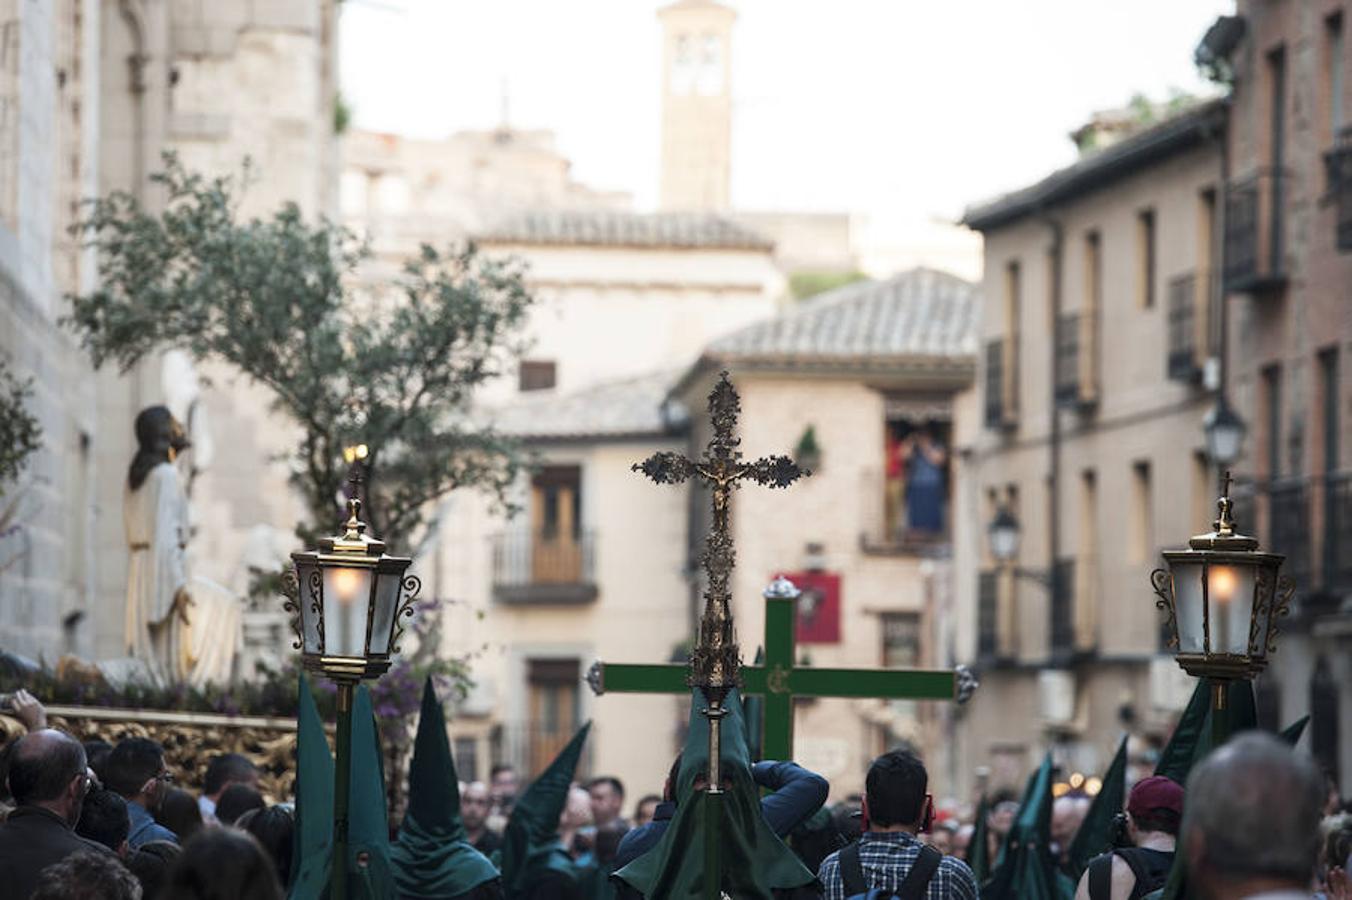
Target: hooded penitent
[754, 860]
[369, 873]
[314, 802]
[531, 850]
[431, 858]
[1026, 870]
[1189, 745]
[978, 857]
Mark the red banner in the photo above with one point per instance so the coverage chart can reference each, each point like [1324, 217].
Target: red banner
[818, 619]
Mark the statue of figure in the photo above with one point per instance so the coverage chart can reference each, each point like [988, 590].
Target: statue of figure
[184, 629]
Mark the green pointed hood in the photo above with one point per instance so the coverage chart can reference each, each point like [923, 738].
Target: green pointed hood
[1096, 831]
[1191, 740]
[1193, 735]
[530, 845]
[1292, 733]
[314, 802]
[978, 859]
[754, 860]
[431, 858]
[754, 718]
[368, 837]
[1026, 870]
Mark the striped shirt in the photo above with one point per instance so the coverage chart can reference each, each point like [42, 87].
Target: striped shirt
[886, 857]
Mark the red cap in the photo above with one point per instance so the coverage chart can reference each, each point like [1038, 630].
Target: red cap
[1155, 792]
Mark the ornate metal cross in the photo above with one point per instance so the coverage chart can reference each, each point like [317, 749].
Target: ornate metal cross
[715, 666]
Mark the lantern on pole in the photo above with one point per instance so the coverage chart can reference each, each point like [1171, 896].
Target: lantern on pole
[347, 599]
[1222, 597]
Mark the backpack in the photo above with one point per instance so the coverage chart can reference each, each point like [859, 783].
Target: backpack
[1151, 869]
[913, 886]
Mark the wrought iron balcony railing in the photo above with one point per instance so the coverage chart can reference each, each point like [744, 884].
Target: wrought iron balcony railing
[1289, 527]
[1076, 359]
[544, 568]
[1194, 326]
[995, 383]
[1338, 162]
[1063, 609]
[1001, 386]
[1338, 532]
[1255, 233]
[988, 616]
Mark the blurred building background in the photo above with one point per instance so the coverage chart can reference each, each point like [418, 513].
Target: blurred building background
[1178, 263]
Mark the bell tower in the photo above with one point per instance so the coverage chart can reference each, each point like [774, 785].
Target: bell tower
[696, 105]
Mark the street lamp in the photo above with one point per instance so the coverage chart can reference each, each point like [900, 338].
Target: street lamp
[1224, 433]
[1004, 535]
[1222, 597]
[346, 600]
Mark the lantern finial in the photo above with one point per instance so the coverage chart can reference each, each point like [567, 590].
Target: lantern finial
[1224, 526]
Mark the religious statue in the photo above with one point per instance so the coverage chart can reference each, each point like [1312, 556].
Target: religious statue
[183, 629]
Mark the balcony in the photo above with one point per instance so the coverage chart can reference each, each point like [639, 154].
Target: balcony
[1076, 352]
[886, 526]
[544, 569]
[1254, 234]
[1338, 163]
[1289, 527]
[1338, 532]
[987, 616]
[1063, 610]
[1194, 333]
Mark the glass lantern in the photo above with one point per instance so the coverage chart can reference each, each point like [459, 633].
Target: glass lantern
[1004, 535]
[1222, 597]
[347, 599]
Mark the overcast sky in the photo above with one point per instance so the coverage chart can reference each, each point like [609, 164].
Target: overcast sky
[883, 107]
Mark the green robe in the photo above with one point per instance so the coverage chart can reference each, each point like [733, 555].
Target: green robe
[755, 862]
[1026, 870]
[432, 859]
[531, 851]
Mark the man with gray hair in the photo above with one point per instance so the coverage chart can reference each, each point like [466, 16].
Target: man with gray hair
[1251, 825]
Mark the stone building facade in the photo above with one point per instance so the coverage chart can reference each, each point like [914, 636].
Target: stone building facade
[1288, 279]
[92, 92]
[1099, 333]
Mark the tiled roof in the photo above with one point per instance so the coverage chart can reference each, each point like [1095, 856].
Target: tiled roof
[920, 314]
[613, 228]
[1188, 129]
[632, 407]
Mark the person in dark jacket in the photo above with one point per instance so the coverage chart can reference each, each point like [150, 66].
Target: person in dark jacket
[798, 794]
[48, 780]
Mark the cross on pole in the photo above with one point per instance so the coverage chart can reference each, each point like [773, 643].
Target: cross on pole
[779, 681]
[715, 666]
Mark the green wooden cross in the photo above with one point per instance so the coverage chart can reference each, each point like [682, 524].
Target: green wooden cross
[779, 681]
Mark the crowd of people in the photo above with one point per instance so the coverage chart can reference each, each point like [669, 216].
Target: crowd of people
[108, 821]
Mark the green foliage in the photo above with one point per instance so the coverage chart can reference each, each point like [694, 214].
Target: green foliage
[807, 284]
[20, 433]
[277, 299]
[342, 114]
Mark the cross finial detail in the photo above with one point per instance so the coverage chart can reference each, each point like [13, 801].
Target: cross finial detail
[715, 664]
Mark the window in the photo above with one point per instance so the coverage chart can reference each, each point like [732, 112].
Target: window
[537, 374]
[1145, 258]
[1013, 309]
[1272, 402]
[901, 640]
[1328, 379]
[1206, 299]
[556, 520]
[1333, 62]
[467, 758]
[553, 707]
[1141, 546]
